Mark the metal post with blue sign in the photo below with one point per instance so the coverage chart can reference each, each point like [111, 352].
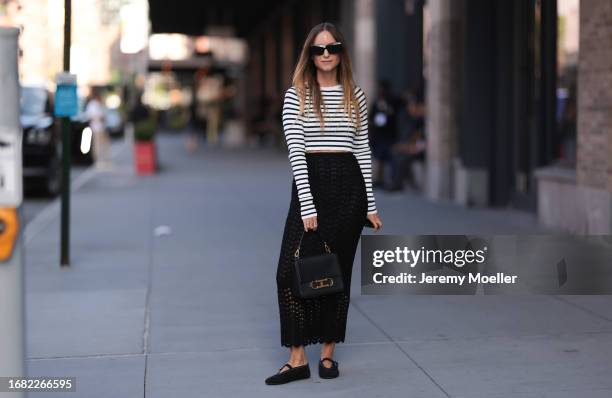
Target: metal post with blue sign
[12, 273]
[66, 100]
[66, 105]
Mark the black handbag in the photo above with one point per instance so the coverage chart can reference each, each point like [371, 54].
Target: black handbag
[317, 275]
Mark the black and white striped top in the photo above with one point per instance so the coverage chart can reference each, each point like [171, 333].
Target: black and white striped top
[304, 133]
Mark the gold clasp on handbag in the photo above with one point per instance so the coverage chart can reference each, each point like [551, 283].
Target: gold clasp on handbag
[319, 283]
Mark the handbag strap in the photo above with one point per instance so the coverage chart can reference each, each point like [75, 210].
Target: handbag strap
[297, 251]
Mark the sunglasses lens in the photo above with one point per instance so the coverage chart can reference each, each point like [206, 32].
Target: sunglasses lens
[316, 50]
[335, 48]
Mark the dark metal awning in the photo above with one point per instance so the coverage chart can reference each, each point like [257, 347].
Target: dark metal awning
[194, 17]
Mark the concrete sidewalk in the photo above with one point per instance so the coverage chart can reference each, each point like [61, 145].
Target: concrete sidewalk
[171, 293]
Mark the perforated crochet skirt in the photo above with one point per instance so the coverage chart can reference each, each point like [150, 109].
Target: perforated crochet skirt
[339, 194]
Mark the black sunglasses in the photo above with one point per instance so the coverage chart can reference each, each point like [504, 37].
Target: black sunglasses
[334, 48]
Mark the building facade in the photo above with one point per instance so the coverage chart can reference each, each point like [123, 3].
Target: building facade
[517, 93]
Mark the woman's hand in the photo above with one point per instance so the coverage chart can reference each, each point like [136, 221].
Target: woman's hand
[375, 219]
[310, 223]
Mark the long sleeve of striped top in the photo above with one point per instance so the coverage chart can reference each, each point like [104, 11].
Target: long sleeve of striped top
[304, 132]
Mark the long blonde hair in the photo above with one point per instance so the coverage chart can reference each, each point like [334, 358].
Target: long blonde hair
[305, 77]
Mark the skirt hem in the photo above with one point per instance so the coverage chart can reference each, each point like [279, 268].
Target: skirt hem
[314, 341]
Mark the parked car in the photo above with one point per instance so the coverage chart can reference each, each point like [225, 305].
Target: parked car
[41, 144]
[81, 144]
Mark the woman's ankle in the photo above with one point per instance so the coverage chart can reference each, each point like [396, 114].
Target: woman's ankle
[297, 357]
[297, 361]
[327, 351]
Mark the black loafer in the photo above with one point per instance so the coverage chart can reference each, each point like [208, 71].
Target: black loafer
[328, 373]
[293, 373]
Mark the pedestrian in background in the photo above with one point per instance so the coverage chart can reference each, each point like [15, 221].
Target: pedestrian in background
[383, 122]
[409, 153]
[96, 114]
[197, 120]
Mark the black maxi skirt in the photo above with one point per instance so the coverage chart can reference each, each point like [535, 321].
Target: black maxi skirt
[339, 194]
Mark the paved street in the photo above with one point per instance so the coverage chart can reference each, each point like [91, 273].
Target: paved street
[171, 293]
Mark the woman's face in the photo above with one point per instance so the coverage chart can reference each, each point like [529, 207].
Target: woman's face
[326, 62]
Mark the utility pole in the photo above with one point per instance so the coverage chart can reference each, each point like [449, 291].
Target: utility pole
[66, 150]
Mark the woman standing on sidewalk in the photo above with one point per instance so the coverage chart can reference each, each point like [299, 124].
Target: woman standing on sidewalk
[325, 123]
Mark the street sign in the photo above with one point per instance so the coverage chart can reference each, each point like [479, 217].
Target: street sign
[11, 183]
[66, 100]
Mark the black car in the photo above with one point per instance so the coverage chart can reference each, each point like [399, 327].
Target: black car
[41, 144]
[81, 144]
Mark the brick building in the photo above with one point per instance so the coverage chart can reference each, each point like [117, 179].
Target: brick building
[580, 199]
[496, 119]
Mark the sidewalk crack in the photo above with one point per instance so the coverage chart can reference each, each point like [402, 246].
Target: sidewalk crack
[399, 347]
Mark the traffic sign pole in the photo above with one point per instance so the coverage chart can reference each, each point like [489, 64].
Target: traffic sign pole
[65, 212]
[66, 105]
